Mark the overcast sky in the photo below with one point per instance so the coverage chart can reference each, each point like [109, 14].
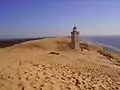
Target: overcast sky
[39, 18]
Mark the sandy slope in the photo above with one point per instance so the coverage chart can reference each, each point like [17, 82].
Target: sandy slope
[30, 66]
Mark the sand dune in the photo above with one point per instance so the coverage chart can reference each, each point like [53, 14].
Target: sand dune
[45, 44]
[50, 64]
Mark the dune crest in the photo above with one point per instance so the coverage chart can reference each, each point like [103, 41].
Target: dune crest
[46, 44]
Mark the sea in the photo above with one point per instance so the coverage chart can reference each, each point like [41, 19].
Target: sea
[110, 42]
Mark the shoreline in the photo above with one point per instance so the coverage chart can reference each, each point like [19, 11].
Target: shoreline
[109, 47]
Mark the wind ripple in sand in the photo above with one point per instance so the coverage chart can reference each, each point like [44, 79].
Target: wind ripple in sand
[30, 76]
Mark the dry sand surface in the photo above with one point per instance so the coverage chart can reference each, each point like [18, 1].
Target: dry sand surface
[50, 64]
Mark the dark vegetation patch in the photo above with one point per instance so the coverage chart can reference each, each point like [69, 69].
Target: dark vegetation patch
[54, 53]
[10, 42]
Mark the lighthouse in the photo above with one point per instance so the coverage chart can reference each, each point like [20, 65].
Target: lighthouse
[75, 38]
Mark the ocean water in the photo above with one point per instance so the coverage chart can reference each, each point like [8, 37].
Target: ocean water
[110, 42]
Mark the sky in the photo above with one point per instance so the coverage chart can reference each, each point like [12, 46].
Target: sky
[42, 18]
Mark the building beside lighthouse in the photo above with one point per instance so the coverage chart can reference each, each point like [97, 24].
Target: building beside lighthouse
[75, 38]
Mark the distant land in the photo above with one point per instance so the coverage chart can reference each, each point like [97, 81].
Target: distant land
[9, 42]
